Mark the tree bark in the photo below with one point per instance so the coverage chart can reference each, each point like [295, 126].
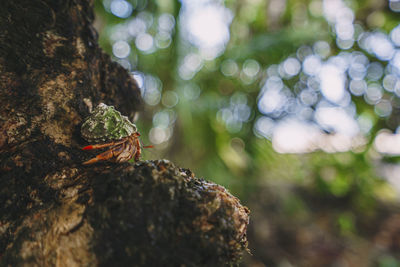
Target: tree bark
[54, 210]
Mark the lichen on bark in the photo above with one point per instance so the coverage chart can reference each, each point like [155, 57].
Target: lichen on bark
[54, 210]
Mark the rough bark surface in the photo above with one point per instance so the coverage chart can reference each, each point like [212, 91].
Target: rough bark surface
[54, 210]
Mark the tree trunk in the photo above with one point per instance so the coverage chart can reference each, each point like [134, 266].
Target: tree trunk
[56, 211]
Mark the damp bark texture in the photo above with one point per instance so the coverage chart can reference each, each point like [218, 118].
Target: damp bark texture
[56, 212]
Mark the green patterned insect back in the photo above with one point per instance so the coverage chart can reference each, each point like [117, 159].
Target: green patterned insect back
[105, 123]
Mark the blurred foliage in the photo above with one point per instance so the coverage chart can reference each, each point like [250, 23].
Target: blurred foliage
[203, 108]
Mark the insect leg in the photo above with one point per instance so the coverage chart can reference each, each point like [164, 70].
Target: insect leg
[103, 156]
[97, 146]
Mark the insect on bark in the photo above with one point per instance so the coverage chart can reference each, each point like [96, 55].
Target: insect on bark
[106, 124]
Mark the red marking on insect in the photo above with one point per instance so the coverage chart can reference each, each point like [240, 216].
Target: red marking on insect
[120, 151]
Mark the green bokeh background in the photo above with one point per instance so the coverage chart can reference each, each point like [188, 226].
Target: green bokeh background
[313, 209]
